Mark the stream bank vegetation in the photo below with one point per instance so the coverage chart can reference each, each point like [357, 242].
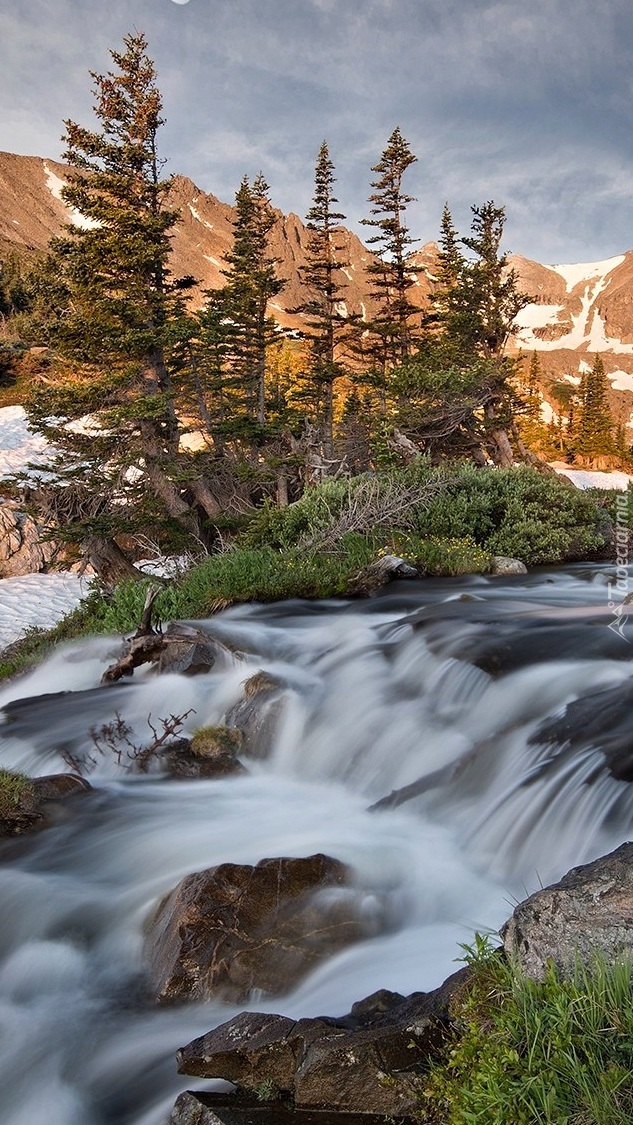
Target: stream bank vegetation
[558, 1052]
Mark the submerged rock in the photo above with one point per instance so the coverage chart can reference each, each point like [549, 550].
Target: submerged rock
[25, 802]
[226, 931]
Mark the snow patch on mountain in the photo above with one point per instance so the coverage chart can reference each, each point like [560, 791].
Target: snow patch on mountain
[620, 380]
[198, 216]
[576, 273]
[55, 184]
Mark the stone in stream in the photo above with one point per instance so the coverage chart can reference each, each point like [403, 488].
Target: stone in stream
[194, 1108]
[504, 565]
[589, 911]
[212, 752]
[227, 931]
[369, 1061]
[258, 713]
[25, 802]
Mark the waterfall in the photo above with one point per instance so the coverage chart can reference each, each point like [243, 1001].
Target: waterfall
[426, 703]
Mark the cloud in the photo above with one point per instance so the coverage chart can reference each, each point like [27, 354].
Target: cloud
[527, 103]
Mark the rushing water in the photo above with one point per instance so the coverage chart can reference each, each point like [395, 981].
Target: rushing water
[434, 689]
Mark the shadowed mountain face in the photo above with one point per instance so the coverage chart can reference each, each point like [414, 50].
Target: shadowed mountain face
[578, 310]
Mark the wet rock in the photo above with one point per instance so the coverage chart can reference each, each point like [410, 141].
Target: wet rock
[22, 550]
[227, 931]
[221, 1109]
[590, 910]
[24, 801]
[504, 565]
[190, 651]
[257, 714]
[59, 786]
[601, 720]
[377, 574]
[212, 752]
[369, 1061]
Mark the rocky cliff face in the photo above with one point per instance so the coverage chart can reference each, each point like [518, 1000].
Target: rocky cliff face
[578, 311]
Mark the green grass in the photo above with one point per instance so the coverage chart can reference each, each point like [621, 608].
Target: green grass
[558, 1052]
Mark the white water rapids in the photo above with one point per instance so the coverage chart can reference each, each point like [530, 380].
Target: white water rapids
[380, 694]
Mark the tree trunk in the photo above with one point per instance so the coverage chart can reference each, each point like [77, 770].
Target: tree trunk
[108, 561]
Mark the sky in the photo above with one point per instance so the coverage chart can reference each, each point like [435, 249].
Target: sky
[525, 102]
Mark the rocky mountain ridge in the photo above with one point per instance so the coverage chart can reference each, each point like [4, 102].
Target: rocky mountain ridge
[578, 310]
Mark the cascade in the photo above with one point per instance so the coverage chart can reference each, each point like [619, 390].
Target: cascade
[418, 743]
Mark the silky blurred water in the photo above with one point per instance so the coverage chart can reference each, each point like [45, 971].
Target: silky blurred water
[378, 696]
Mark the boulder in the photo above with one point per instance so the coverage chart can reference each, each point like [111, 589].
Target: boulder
[226, 931]
[211, 753]
[22, 550]
[503, 565]
[590, 910]
[194, 1108]
[368, 1061]
[24, 800]
[257, 714]
[379, 573]
[190, 651]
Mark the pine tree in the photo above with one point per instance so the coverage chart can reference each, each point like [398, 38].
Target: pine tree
[121, 312]
[326, 319]
[594, 434]
[458, 389]
[251, 283]
[391, 274]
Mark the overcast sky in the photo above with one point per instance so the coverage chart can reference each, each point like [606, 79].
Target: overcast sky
[527, 102]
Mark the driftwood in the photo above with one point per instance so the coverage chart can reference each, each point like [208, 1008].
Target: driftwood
[181, 648]
[145, 647]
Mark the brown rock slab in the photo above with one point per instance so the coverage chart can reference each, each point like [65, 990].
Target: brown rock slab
[590, 910]
[229, 930]
[220, 1109]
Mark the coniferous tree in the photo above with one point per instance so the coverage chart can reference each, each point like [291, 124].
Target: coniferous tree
[391, 274]
[251, 283]
[120, 313]
[326, 319]
[458, 389]
[594, 433]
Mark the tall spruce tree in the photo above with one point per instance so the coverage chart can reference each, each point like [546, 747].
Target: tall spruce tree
[391, 273]
[121, 309]
[326, 320]
[252, 282]
[594, 436]
[459, 387]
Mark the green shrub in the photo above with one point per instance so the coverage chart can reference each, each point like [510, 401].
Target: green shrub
[559, 1052]
[441, 556]
[518, 511]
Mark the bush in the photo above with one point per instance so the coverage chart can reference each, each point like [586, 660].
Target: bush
[441, 556]
[559, 1052]
[518, 512]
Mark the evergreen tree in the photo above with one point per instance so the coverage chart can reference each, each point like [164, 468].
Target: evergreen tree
[326, 320]
[450, 265]
[391, 273]
[594, 434]
[251, 283]
[120, 313]
[458, 390]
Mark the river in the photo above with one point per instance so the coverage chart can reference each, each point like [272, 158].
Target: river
[446, 680]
